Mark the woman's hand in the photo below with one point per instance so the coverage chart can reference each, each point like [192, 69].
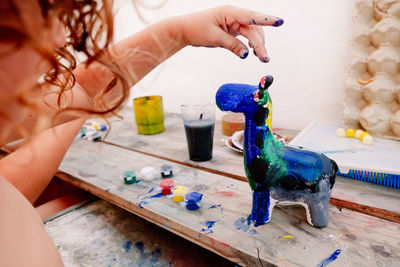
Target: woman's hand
[219, 26]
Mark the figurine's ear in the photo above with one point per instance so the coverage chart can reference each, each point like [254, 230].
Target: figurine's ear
[265, 82]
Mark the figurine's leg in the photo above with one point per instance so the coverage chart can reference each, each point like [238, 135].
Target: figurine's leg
[318, 208]
[262, 207]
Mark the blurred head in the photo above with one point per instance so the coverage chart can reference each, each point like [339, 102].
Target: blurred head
[37, 41]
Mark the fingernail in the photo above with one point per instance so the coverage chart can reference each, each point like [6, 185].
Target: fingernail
[278, 23]
[265, 59]
[244, 53]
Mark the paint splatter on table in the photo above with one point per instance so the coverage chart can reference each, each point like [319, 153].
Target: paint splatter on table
[101, 234]
[221, 224]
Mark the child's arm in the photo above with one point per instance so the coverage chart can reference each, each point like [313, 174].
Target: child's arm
[31, 167]
[140, 53]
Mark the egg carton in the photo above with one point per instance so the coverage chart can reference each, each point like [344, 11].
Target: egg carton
[372, 88]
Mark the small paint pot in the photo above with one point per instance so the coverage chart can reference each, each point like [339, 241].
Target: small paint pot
[93, 136]
[166, 171]
[129, 177]
[193, 200]
[178, 193]
[96, 125]
[83, 132]
[166, 186]
[149, 114]
[103, 127]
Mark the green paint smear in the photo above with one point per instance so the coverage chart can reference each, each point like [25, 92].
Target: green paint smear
[273, 154]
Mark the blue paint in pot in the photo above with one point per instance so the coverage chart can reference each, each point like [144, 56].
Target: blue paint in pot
[192, 200]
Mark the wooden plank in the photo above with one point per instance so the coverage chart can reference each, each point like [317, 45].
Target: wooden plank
[363, 240]
[103, 234]
[171, 145]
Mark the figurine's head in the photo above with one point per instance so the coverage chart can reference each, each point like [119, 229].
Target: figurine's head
[248, 99]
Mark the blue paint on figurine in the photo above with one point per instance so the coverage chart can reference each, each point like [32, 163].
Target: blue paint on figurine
[276, 172]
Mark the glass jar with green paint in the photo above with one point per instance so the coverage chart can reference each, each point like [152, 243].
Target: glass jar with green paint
[149, 114]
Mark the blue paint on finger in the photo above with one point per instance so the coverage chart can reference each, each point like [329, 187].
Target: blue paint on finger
[278, 23]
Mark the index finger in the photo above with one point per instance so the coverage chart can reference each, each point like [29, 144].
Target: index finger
[248, 17]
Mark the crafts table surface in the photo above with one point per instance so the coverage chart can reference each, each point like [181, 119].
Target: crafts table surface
[102, 234]
[221, 224]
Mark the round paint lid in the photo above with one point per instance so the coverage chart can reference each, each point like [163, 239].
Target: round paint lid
[193, 197]
[180, 190]
[167, 183]
[166, 171]
[129, 173]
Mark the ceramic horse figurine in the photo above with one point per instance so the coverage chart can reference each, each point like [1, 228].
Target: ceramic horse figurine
[277, 173]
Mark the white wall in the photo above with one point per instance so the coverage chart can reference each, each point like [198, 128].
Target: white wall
[309, 57]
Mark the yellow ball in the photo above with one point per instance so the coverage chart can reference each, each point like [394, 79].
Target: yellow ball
[363, 135]
[350, 132]
[367, 140]
[358, 133]
[340, 132]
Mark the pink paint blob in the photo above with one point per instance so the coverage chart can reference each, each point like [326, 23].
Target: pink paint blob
[226, 193]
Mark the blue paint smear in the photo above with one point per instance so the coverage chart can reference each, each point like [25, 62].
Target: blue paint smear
[209, 225]
[151, 190]
[242, 224]
[127, 245]
[156, 254]
[156, 195]
[215, 206]
[330, 258]
[140, 246]
[141, 203]
[253, 232]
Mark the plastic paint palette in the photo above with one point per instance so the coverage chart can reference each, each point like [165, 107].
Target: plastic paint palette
[378, 163]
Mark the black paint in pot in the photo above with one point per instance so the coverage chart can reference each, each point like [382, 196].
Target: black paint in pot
[199, 136]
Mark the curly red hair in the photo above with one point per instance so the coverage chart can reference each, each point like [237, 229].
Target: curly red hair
[89, 32]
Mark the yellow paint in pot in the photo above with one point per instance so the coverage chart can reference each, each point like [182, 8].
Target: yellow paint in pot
[149, 114]
[178, 193]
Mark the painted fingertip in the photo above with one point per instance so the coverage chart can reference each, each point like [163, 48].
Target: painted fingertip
[244, 53]
[278, 23]
[265, 59]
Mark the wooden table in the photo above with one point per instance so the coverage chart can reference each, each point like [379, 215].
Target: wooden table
[221, 225]
[102, 234]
